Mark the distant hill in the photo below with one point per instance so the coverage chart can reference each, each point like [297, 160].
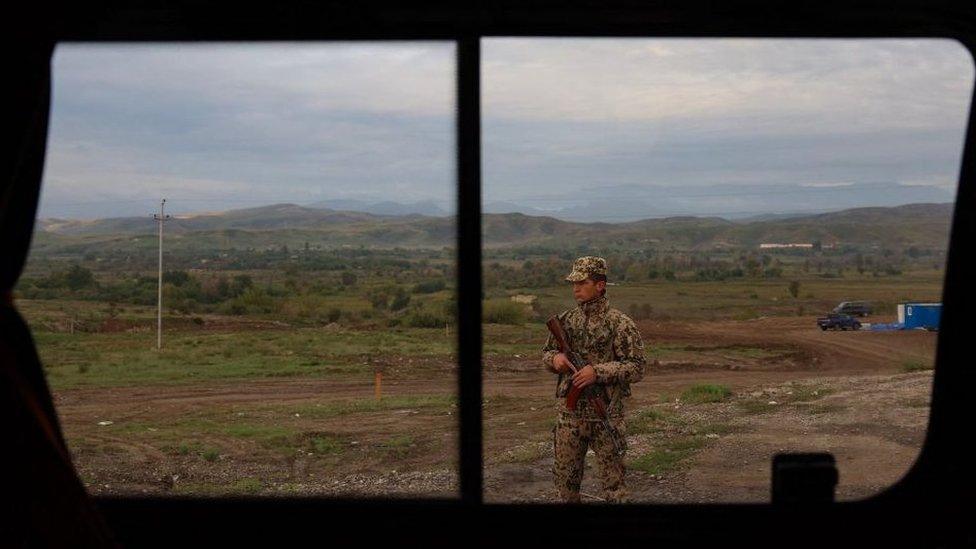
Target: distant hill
[276, 216]
[387, 207]
[924, 225]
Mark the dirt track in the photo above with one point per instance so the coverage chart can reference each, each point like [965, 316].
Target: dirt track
[873, 420]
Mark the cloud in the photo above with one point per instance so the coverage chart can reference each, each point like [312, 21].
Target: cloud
[579, 114]
[260, 122]
[232, 124]
[808, 85]
[266, 78]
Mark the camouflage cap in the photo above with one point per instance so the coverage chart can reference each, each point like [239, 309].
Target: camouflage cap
[586, 266]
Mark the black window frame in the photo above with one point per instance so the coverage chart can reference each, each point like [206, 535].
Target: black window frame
[934, 492]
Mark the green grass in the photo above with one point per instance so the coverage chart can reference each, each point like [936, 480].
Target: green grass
[183, 436]
[125, 359]
[732, 299]
[705, 392]
[191, 354]
[806, 393]
[669, 457]
[326, 445]
[504, 311]
[272, 428]
[915, 366]
[269, 436]
[649, 420]
[715, 428]
[399, 446]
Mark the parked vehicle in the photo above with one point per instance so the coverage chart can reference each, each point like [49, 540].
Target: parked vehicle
[837, 321]
[854, 308]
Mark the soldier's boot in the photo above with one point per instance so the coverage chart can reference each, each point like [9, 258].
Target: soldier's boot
[566, 496]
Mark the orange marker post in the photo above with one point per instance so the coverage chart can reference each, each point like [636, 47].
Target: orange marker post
[378, 385]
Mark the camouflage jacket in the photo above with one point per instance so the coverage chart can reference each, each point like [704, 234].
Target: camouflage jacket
[609, 341]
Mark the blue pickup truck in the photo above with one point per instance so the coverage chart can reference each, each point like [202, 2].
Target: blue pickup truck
[837, 321]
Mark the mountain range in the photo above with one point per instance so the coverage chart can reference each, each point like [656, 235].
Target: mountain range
[923, 225]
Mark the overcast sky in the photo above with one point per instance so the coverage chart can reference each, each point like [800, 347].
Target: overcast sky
[215, 127]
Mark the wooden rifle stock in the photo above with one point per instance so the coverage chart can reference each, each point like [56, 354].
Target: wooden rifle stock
[556, 329]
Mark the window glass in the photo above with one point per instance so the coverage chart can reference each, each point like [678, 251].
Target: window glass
[307, 268]
[773, 218]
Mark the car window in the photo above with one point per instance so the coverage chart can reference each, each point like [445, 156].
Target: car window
[733, 192]
[303, 261]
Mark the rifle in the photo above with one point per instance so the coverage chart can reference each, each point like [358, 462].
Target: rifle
[591, 392]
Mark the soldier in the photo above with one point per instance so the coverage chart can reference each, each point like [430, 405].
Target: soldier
[610, 344]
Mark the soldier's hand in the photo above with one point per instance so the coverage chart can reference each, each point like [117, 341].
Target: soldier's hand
[586, 376]
[561, 363]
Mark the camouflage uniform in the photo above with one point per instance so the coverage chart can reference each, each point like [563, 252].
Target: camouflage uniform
[608, 340]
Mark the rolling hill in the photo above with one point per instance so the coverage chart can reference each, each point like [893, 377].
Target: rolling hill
[923, 225]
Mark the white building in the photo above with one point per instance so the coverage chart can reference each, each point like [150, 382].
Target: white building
[768, 245]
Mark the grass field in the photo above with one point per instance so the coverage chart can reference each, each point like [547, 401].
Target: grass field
[117, 346]
[283, 403]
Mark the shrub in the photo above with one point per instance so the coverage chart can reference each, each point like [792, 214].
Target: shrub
[794, 288]
[400, 300]
[379, 301]
[422, 318]
[503, 312]
[253, 300]
[429, 287]
[176, 278]
[334, 314]
[78, 277]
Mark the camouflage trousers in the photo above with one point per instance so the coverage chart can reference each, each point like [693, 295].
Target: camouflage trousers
[572, 437]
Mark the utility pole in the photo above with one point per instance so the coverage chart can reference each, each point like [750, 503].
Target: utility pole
[160, 218]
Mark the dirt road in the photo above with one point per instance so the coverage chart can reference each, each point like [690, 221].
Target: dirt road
[273, 436]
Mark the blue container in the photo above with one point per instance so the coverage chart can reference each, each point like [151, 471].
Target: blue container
[922, 315]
